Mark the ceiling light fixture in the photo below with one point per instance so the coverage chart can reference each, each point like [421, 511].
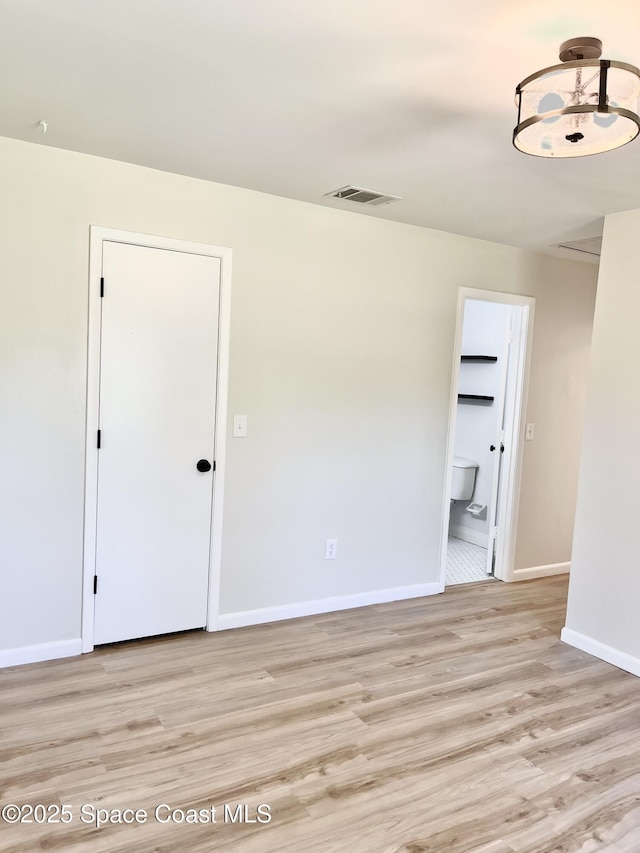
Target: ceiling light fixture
[586, 105]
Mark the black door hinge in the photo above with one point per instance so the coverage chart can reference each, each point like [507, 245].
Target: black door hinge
[102, 286]
[99, 438]
[214, 464]
[95, 584]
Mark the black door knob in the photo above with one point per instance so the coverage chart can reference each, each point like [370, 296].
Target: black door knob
[203, 465]
[492, 448]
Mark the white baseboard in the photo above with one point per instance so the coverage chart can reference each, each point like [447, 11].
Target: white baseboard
[325, 605]
[601, 650]
[43, 651]
[541, 571]
[468, 534]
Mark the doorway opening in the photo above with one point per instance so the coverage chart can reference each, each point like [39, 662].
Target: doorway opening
[485, 441]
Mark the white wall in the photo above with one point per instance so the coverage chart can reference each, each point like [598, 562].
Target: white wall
[483, 333]
[556, 405]
[602, 613]
[341, 352]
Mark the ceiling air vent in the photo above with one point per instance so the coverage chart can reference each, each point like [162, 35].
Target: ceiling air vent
[591, 246]
[361, 196]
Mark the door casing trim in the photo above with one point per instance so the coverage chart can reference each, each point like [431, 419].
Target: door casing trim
[508, 504]
[98, 235]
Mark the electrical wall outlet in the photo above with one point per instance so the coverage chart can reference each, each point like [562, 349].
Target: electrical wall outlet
[331, 549]
[529, 431]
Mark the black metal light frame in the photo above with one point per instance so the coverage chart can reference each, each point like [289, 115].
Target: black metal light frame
[601, 107]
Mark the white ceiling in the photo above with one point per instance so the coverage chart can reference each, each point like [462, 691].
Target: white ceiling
[299, 97]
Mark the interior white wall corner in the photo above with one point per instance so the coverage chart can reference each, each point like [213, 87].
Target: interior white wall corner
[605, 582]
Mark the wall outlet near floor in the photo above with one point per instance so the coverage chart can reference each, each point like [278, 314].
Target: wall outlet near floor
[331, 549]
[529, 431]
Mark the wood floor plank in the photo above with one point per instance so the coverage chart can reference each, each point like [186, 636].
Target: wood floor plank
[455, 723]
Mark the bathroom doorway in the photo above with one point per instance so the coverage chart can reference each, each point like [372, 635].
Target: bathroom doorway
[486, 433]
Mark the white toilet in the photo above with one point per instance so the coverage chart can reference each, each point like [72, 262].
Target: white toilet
[464, 478]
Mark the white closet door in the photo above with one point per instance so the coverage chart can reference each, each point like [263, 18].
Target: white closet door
[157, 419]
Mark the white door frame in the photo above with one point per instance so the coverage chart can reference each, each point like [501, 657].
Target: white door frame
[98, 235]
[511, 473]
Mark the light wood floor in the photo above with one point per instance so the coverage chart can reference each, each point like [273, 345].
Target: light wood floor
[455, 723]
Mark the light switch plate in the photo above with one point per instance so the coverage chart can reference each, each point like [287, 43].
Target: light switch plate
[529, 431]
[239, 426]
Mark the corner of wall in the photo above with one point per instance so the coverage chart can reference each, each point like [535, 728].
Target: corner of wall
[601, 650]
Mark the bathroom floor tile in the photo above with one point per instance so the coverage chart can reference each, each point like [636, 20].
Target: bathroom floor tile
[466, 563]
